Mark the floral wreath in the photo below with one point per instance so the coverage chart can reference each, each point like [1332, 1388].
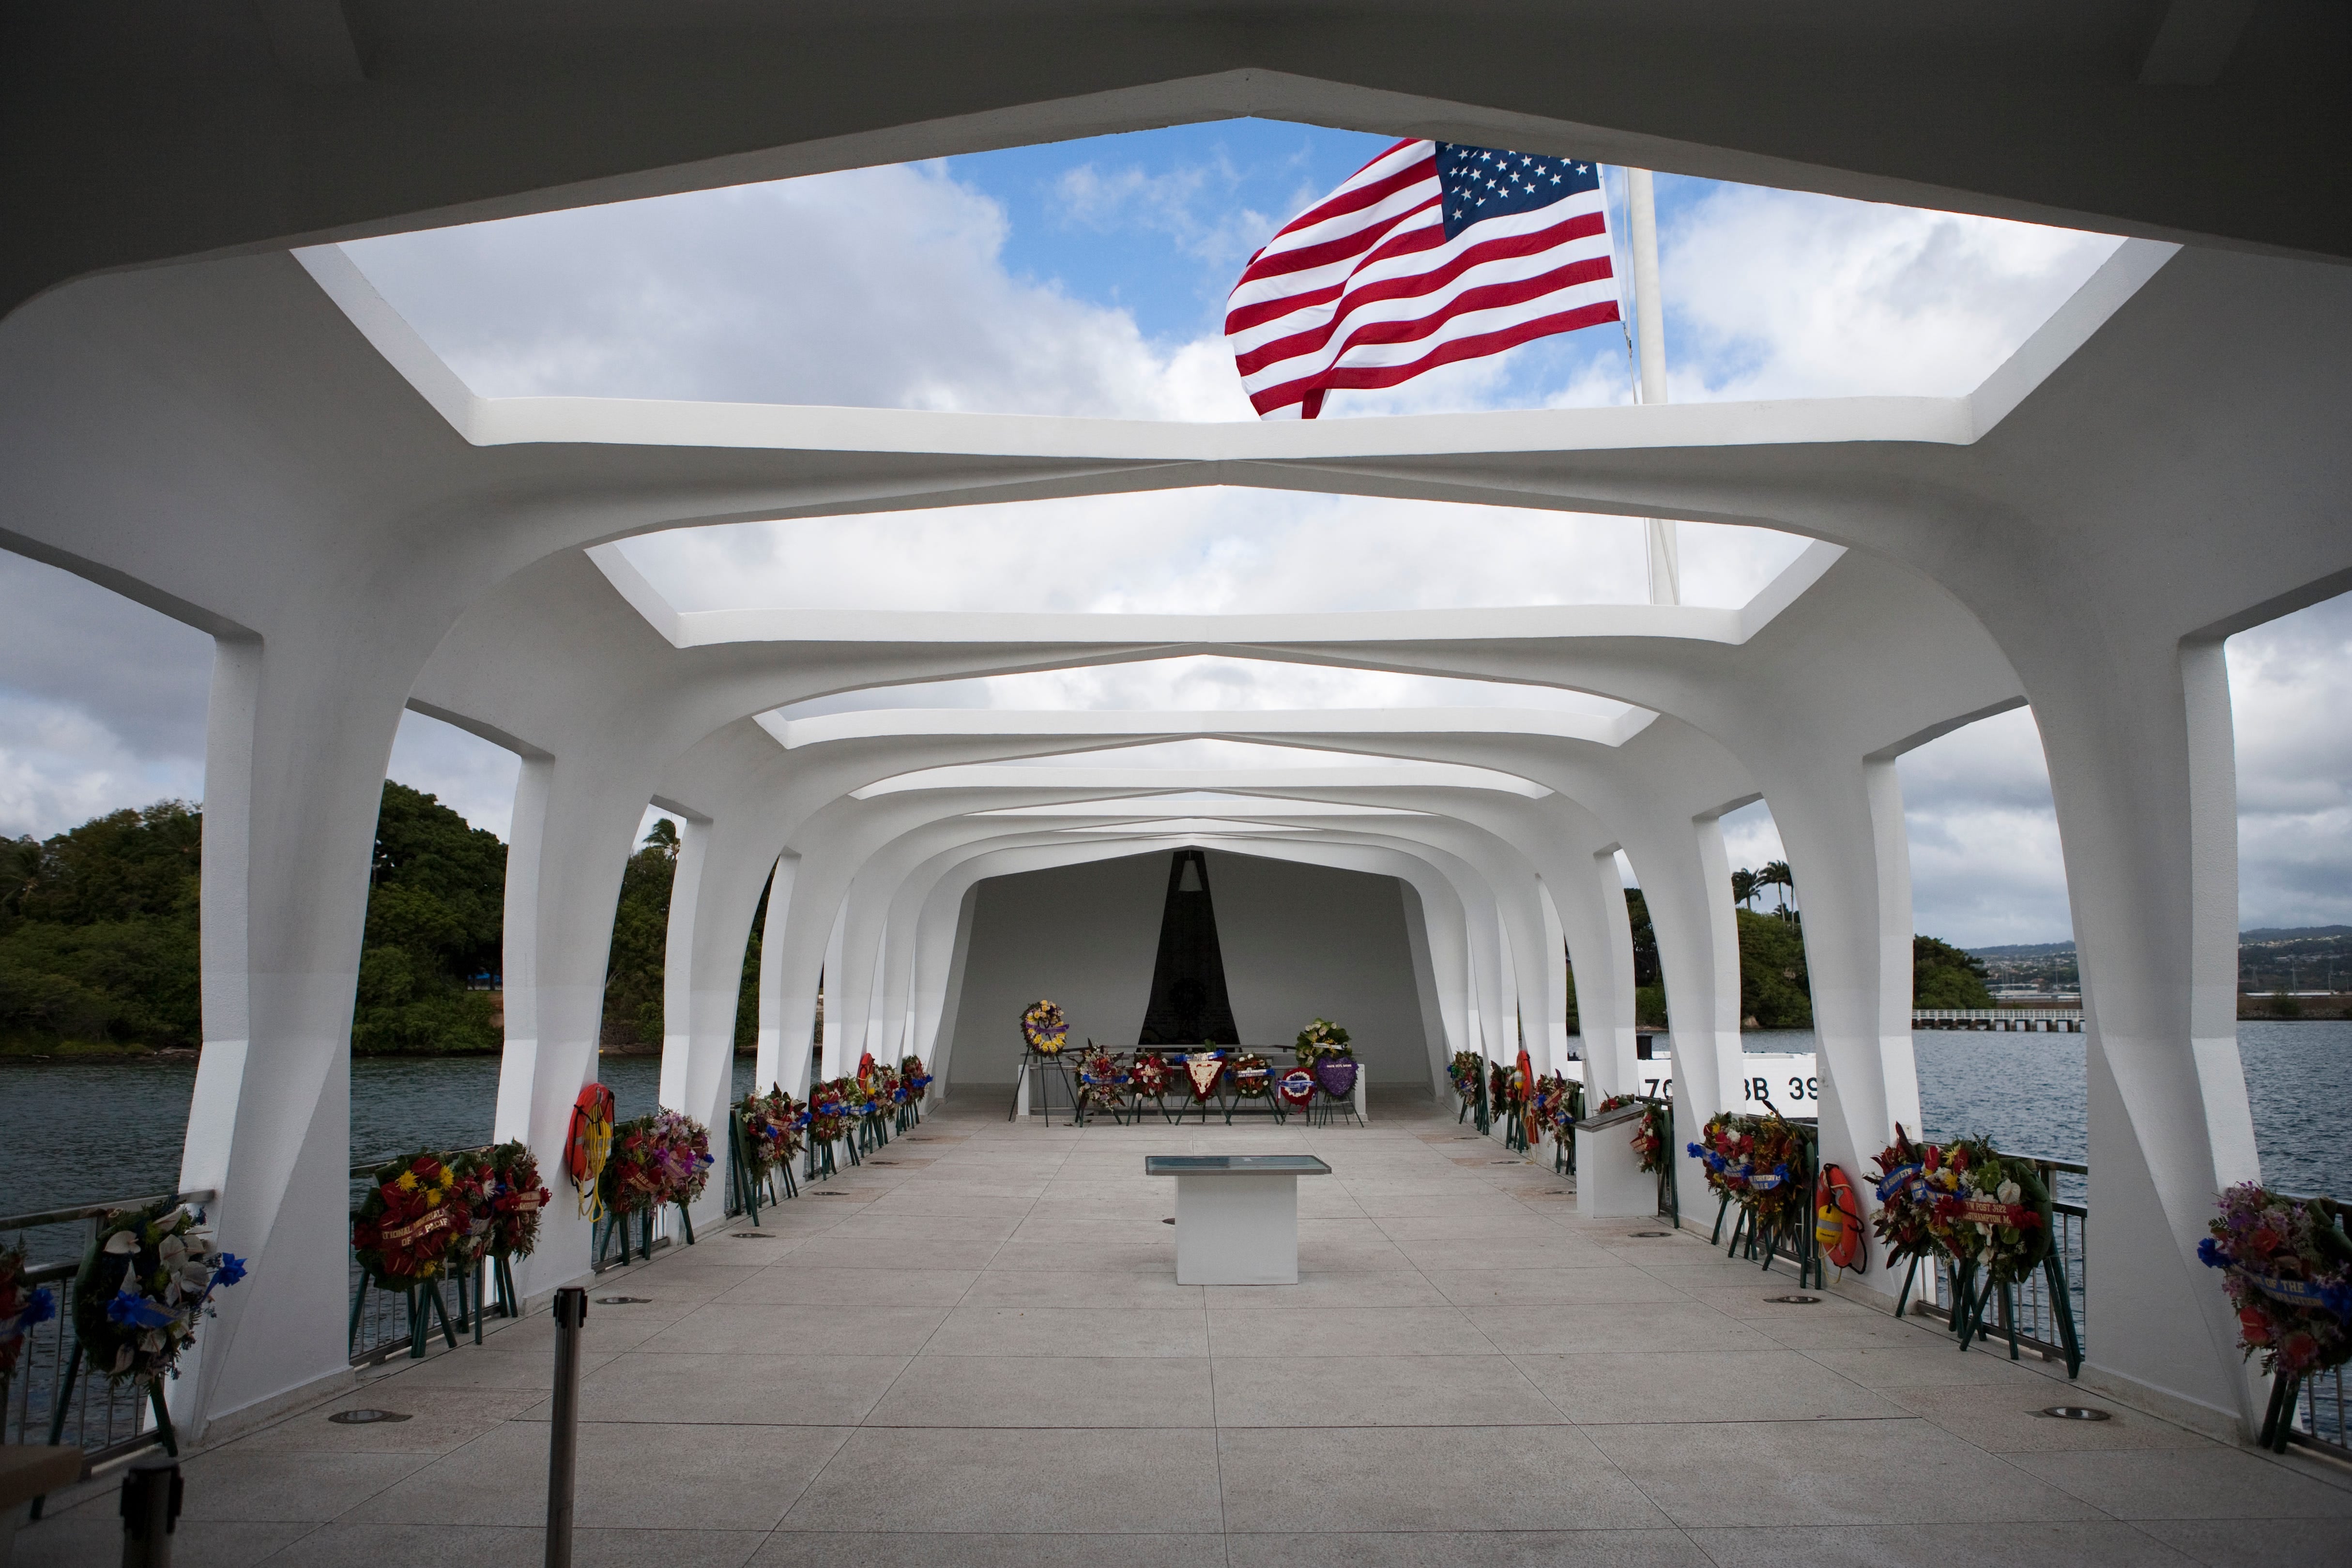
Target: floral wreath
[1776, 1184]
[1253, 1075]
[1101, 1075]
[1321, 1037]
[20, 1308]
[1555, 1104]
[148, 1276]
[1905, 1221]
[1987, 1209]
[1044, 1029]
[419, 1221]
[684, 1145]
[771, 1129]
[1725, 1149]
[510, 1198]
[1465, 1071]
[634, 1181]
[1150, 1075]
[1202, 1069]
[1649, 1137]
[2288, 1270]
[826, 1116]
[915, 1076]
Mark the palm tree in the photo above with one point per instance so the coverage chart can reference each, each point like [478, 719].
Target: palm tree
[1775, 874]
[1743, 887]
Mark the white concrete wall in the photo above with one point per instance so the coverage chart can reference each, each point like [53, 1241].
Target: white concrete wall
[1299, 941]
[1086, 935]
[1303, 942]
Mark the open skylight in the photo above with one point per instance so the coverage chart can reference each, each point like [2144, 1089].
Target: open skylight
[1090, 278]
[1205, 684]
[1216, 551]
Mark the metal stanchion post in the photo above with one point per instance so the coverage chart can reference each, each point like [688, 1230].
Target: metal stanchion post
[151, 1511]
[570, 1308]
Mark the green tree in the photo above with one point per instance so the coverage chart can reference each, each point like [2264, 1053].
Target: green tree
[1942, 976]
[434, 922]
[97, 932]
[633, 967]
[1774, 988]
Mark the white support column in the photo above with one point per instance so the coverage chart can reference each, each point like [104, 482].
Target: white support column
[768, 1071]
[2143, 771]
[284, 905]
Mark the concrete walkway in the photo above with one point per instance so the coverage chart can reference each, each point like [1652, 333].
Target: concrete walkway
[973, 1351]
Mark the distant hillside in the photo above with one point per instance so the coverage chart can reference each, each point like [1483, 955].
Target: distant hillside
[2025, 950]
[2294, 933]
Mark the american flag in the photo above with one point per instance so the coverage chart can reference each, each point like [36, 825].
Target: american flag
[1431, 253]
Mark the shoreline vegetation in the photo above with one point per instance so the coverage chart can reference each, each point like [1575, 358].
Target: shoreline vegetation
[99, 940]
[99, 945]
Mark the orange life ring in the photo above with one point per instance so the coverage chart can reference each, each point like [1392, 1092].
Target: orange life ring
[587, 1144]
[1838, 1228]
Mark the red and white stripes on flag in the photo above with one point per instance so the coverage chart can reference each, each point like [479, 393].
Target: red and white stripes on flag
[1431, 253]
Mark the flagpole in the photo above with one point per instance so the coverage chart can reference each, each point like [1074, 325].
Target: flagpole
[1642, 218]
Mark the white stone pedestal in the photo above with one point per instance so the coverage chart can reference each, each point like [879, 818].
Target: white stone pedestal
[1236, 1216]
[1609, 1181]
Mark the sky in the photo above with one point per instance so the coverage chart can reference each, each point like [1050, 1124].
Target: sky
[1090, 276]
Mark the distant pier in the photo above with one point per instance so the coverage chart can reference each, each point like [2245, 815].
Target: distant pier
[2030, 1020]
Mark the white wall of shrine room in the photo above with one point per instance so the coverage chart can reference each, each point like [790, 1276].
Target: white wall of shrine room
[1299, 942]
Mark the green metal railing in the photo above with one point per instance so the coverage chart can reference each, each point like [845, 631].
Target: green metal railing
[51, 1397]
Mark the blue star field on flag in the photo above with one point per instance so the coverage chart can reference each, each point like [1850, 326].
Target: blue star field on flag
[1487, 182]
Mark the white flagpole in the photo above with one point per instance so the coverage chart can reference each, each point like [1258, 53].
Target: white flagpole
[1642, 218]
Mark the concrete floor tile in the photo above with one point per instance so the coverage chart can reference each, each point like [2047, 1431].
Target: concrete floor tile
[1373, 1390]
[439, 1420]
[1612, 1286]
[2212, 1482]
[729, 1328]
[908, 1232]
[1485, 1548]
[1071, 1330]
[739, 1388]
[1348, 1332]
[92, 1535]
[1938, 1361]
[1578, 1330]
[1069, 1391]
[1765, 1473]
[1319, 1292]
[1425, 1478]
[627, 1471]
[1087, 1482]
[2091, 1544]
[246, 1485]
[2257, 1542]
[830, 1251]
[803, 1286]
[476, 1546]
[2005, 1418]
[1003, 1287]
[1157, 1258]
[1618, 1388]
[466, 1369]
[816, 1549]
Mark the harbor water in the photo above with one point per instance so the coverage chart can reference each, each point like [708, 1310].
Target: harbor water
[81, 1131]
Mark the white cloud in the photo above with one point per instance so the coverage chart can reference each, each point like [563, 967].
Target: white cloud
[1201, 551]
[470, 776]
[2292, 708]
[61, 764]
[881, 287]
[1209, 684]
[1774, 294]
